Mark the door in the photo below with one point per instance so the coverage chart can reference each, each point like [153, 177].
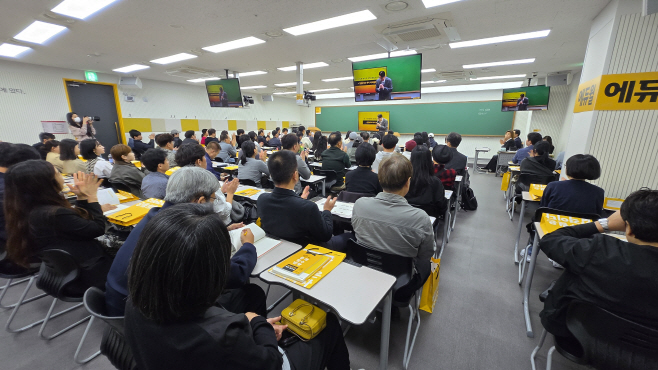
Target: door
[90, 99]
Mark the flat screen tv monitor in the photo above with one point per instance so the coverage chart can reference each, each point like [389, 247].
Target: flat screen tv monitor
[396, 78]
[526, 98]
[224, 93]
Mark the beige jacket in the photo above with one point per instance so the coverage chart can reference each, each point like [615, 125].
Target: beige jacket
[81, 133]
[56, 161]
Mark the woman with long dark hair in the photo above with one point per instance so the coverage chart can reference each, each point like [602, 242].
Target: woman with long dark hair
[39, 218]
[425, 189]
[91, 150]
[250, 166]
[124, 172]
[316, 138]
[320, 147]
[178, 270]
[51, 148]
[69, 150]
[81, 127]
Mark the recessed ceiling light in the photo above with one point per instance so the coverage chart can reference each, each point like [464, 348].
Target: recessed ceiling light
[325, 24]
[382, 55]
[204, 79]
[503, 63]
[253, 87]
[273, 34]
[11, 50]
[174, 58]
[335, 96]
[337, 79]
[306, 66]
[428, 70]
[235, 44]
[131, 68]
[284, 93]
[80, 9]
[39, 32]
[252, 73]
[473, 87]
[396, 6]
[433, 82]
[321, 90]
[497, 77]
[433, 3]
[500, 39]
[290, 84]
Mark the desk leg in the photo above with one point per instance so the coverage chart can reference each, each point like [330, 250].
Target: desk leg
[386, 330]
[518, 235]
[324, 183]
[459, 191]
[528, 284]
[476, 169]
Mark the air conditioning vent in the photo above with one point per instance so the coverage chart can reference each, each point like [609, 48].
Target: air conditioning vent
[189, 72]
[423, 31]
[419, 35]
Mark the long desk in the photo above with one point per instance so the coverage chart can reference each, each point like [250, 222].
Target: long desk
[314, 179]
[275, 255]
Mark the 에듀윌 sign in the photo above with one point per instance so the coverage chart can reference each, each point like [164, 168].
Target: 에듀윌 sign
[628, 91]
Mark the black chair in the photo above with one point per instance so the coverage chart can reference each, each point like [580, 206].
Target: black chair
[113, 345]
[527, 179]
[606, 341]
[248, 183]
[400, 267]
[330, 180]
[116, 186]
[351, 197]
[11, 272]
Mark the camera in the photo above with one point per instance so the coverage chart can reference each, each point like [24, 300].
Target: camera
[247, 99]
[308, 96]
[94, 118]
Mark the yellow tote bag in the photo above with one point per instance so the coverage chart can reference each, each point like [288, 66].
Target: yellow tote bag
[505, 184]
[431, 287]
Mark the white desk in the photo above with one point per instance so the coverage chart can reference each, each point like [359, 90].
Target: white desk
[476, 169]
[352, 168]
[361, 290]
[316, 164]
[267, 147]
[245, 187]
[341, 209]
[273, 257]
[219, 164]
[315, 179]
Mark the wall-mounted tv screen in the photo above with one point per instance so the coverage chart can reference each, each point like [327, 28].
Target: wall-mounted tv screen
[526, 98]
[395, 78]
[224, 93]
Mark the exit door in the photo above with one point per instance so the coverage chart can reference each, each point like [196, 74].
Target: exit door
[90, 99]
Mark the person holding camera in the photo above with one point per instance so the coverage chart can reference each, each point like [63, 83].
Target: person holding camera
[81, 128]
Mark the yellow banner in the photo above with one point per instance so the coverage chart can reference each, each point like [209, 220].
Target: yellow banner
[368, 120]
[550, 222]
[365, 79]
[627, 91]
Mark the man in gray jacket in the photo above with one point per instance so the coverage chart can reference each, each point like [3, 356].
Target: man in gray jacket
[291, 142]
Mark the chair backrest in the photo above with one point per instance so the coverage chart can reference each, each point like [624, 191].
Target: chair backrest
[610, 341]
[330, 175]
[116, 186]
[505, 157]
[430, 209]
[58, 269]
[391, 264]
[527, 179]
[248, 182]
[351, 197]
[10, 270]
[542, 210]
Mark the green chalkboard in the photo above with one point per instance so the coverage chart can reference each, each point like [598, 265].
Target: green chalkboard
[404, 71]
[468, 118]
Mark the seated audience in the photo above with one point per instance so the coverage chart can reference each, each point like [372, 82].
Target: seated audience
[335, 159]
[172, 321]
[40, 219]
[426, 190]
[365, 135]
[190, 137]
[517, 139]
[521, 154]
[431, 141]
[212, 151]
[388, 223]
[316, 136]
[139, 147]
[69, 150]
[291, 143]
[607, 272]
[227, 149]
[204, 135]
[538, 163]
[351, 139]
[44, 137]
[155, 183]
[410, 145]
[351, 152]
[91, 150]
[188, 185]
[291, 217]
[442, 155]
[177, 141]
[389, 143]
[250, 167]
[195, 155]
[321, 146]
[508, 145]
[212, 136]
[275, 141]
[347, 139]
[124, 172]
[559, 159]
[252, 137]
[375, 141]
[363, 180]
[576, 194]
[550, 141]
[166, 143]
[458, 161]
[52, 149]
[261, 137]
[418, 138]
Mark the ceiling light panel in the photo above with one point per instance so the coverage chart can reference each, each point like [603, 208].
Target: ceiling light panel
[204, 79]
[290, 84]
[39, 32]
[235, 44]
[325, 24]
[495, 64]
[433, 3]
[337, 79]
[382, 55]
[474, 87]
[428, 70]
[306, 66]
[285, 93]
[497, 77]
[11, 50]
[322, 90]
[433, 82]
[131, 68]
[334, 96]
[174, 58]
[80, 9]
[500, 39]
[252, 73]
[253, 87]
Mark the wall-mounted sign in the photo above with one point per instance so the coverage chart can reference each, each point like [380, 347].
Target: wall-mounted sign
[628, 91]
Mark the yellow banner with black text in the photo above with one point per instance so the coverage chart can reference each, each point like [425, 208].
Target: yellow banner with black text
[627, 91]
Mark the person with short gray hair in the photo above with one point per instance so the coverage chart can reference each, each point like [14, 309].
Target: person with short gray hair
[189, 184]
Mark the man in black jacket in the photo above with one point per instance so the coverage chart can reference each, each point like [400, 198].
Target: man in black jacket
[44, 137]
[291, 217]
[139, 147]
[458, 161]
[615, 275]
[190, 137]
[177, 141]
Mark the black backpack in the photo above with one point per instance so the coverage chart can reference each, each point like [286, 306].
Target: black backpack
[468, 201]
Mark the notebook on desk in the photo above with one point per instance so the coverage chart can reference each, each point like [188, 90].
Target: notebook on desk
[262, 242]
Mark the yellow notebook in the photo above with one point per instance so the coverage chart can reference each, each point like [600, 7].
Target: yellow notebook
[171, 170]
[133, 214]
[125, 197]
[137, 164]
[247, 192]
[231, 168]
[329, 260]
[550, 222]
[537, 191]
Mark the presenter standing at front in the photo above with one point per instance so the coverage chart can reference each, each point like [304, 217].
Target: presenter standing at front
[384, 86]
[382, 125]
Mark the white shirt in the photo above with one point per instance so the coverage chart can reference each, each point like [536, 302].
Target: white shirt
[102, 168]
[378, 160]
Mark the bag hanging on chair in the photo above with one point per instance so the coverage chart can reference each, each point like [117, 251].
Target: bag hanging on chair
[505, 183]
[431, 287]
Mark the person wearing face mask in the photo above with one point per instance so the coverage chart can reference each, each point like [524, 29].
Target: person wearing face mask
[81, 128]
[124, 172]
[91, 150]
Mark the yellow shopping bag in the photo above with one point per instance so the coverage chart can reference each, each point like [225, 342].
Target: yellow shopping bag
[505, 184]
[431, 287]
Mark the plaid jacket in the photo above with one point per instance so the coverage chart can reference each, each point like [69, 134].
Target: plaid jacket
[447, 176]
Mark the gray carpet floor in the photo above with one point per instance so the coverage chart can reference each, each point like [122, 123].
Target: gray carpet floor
[477, 322]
